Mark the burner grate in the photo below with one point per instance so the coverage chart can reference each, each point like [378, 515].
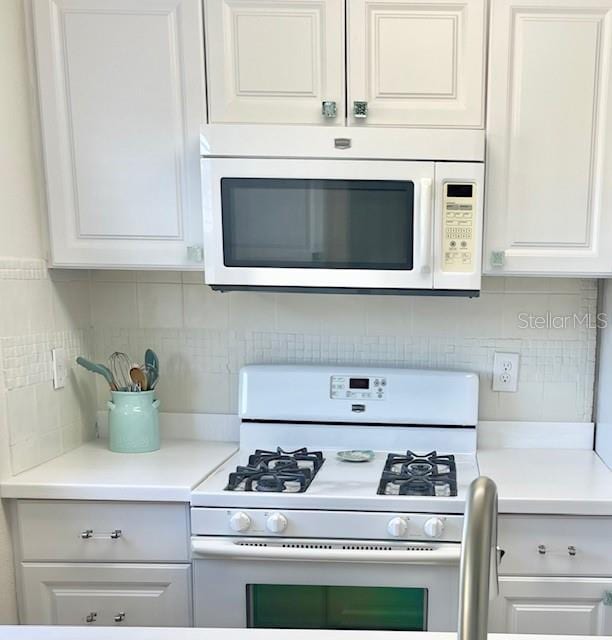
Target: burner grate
[277, 471]
[412, 474]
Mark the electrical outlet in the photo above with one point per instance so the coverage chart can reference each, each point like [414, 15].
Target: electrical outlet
[58, 358]
[505, 372]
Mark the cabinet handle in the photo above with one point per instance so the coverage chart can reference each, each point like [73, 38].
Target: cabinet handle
[329, 109]
[360, 109]
[91, 617]
[87, 534]
[571, 550]
[542, 549]
[195, 253]
[498, 258]
[120, 617]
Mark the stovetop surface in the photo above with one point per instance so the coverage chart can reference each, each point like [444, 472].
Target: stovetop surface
[337, 485]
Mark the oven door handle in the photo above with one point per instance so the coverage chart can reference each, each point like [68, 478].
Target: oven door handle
[311, 550]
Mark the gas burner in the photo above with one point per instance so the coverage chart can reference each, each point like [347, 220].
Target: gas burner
[419, 475]
[276, 471]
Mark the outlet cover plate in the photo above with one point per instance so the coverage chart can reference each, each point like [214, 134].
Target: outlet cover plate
[505, 372]
[58, 357]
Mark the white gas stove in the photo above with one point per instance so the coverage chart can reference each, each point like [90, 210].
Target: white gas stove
[289, 497]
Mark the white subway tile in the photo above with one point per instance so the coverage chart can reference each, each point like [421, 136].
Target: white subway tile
[160, 306]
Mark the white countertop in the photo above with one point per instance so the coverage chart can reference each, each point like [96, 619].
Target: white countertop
[92, 472]
[146, 633]
[549, 481]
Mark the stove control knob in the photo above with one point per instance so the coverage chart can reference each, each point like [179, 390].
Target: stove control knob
[434, 527]
[276, 523]
[240, 521]
[397, 527]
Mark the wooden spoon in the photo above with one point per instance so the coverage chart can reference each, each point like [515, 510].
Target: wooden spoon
[139, 378]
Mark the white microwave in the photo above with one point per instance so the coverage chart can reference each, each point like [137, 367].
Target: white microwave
[348, 222]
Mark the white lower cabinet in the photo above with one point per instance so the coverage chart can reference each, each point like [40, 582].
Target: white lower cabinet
[553, 605]
[106, 594]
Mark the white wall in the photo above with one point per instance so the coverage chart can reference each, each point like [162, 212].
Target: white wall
[203, 338]
[37, 312]
[603, 412]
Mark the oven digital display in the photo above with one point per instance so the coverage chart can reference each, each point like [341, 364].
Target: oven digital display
[359, 383]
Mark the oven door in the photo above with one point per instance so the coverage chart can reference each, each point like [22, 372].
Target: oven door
[325, 584]
[318, 223]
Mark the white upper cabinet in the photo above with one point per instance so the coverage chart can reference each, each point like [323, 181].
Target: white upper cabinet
[417, 63]
[275, 61]
[549, 138]
[122, 100]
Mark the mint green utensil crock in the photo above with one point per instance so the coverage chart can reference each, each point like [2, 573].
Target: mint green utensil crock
[133, 422]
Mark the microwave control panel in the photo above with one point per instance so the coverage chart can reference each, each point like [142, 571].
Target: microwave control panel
[358, 388]
[459, 211]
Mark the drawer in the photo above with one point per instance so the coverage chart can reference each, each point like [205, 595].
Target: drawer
[555, 545]
[51, 530]
[106, 595]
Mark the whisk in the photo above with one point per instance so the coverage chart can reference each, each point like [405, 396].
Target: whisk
[120, 365]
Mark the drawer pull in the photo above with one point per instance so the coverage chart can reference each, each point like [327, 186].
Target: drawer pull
[87, 534]
[120, 617]
[91, 617]
[571, 550]
[542, 549]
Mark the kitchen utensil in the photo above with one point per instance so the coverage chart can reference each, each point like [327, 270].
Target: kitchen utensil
[152, 367]
[100, 369]
[139, 379]
[151, 359]
[356, 455]
[133, 422]
[120, 365]
[151, 375]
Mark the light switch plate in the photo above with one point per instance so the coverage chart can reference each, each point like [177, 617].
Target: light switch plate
[58, 357]
[505, 372]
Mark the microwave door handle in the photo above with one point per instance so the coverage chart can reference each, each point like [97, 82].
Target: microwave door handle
[425, 225]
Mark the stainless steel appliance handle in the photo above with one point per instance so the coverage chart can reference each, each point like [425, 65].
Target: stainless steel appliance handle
[425, 222]
[479, 560]
[447, 554]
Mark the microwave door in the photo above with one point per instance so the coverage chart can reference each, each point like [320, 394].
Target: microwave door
[321, 224]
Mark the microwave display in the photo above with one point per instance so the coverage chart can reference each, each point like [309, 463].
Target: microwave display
[317, 223]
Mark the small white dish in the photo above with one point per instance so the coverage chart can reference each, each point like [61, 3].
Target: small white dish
[356, 455]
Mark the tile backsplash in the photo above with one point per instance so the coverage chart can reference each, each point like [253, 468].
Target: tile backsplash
[203, 337]
[43, 310]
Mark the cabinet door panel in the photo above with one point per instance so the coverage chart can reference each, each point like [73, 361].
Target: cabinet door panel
[549, 148]
[121, 95]
[97, 595]
[275, 61]
[564, 606]
[417, 63]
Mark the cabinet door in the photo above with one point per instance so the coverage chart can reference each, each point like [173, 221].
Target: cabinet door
[563, 606]
[549, 138]
[275, 61]
[106, 595]
[121, 100]
[417, 63]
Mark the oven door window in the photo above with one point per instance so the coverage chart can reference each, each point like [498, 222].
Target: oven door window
[317, 224]
[318, 607]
